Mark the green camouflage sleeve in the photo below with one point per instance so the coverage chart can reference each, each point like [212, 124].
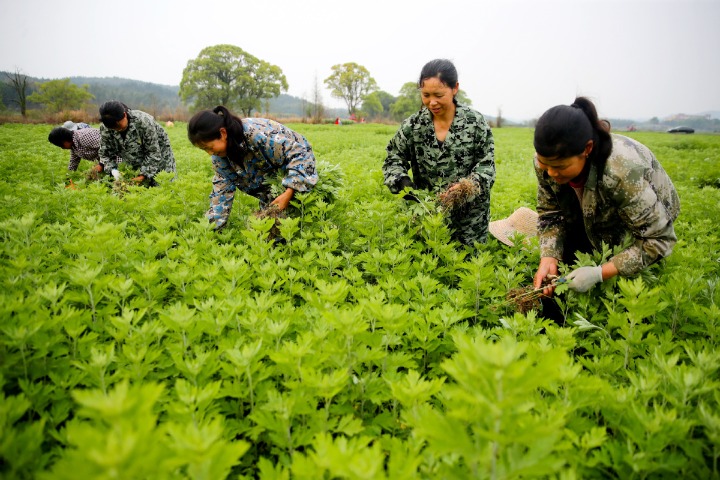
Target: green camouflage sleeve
[483, 174]
[153, 162]
[108, 149]
[396, 164]
[645, 216]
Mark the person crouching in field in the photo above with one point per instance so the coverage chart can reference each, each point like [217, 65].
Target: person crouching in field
[134, 137]
[448, 147]
[593, 187]
[244, 152]
[82, 143]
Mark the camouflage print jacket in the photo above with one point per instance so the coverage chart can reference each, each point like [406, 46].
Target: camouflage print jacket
[273, 148]
[467, 152]
[144, 145]
[634, 201]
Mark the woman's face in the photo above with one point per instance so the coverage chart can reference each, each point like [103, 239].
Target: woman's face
[562, 170]
[437, 96]
[122, 124]
[565, 169]
[216, 147]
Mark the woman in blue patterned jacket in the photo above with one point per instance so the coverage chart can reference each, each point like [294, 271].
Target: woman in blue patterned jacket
[244, 153]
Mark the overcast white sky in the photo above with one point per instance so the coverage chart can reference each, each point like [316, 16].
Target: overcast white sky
[635, 58]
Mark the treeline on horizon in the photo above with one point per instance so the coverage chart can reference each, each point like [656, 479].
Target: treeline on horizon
[164, 103]
[161, 101]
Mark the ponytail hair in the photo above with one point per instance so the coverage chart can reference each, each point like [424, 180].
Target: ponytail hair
[111, 112]
[205, 127]
[564, 130]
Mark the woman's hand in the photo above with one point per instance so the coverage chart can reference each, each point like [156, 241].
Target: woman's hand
[446, 192]
[283, 200]
[548, 266]
[584, 278]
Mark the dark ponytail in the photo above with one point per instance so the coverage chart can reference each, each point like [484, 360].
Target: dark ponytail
[205, 126]
[111, 112]
[564, 130]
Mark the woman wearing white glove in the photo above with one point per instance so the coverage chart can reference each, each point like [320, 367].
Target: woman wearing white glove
[594, 187]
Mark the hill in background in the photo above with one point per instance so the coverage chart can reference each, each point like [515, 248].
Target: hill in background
[156, 99]
[163, 102]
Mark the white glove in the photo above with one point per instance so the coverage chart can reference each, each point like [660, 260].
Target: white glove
[584, 278]
[115, 173]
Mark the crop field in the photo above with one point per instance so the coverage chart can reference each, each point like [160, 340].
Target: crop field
[136, 343]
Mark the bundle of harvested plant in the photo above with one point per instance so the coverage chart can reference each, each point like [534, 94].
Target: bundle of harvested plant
[272, 211]
[524, 298]
[121, 186]
[458, 195]
[93, 175]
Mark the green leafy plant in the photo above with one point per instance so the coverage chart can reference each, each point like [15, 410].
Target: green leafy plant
[138, 343]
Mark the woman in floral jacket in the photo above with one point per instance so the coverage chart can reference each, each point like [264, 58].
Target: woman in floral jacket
[244, 153]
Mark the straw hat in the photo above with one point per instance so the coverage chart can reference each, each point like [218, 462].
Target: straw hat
[523, 220]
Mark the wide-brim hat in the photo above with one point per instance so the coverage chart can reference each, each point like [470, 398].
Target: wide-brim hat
[522, 221]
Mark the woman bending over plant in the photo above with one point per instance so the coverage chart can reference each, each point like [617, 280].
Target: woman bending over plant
[594, 187]
[135, 138]
[244, 152]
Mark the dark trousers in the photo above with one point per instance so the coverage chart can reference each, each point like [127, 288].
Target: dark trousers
[575, 241]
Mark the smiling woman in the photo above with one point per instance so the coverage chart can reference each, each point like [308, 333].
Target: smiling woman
[444, 146]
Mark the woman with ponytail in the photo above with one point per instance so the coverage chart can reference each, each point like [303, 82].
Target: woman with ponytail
[594, 187]
[244, 153]
[133, 137]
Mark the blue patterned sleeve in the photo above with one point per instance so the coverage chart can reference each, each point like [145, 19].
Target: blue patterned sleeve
[292, 153]
[221, 198]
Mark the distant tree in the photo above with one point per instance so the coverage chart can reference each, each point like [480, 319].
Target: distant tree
[463, 99]
[59, 95]
[654, 121]
[385, 99]
[318, 109]
[372, 105]
[227, 75]
[407, 103]
[19, 83]
[499, 119]
[350, 82]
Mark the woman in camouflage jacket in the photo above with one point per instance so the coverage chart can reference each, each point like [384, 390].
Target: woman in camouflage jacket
[133, 137]
[443, 144]
[244, 153]
[594, 187]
